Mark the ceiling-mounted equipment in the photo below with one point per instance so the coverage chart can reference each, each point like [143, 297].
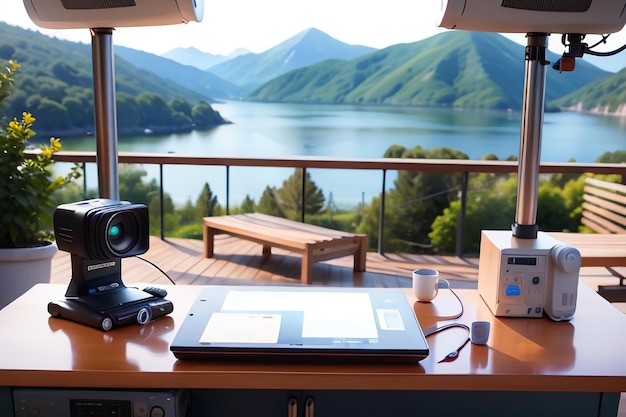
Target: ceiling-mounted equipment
[526, 16]
[74, 14]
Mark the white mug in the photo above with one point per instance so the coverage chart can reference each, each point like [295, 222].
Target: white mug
[425, 284]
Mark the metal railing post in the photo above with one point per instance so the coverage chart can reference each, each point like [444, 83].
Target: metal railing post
[381, 214]
[303, 194]
[161, 202]
[460, 225]
[84, 165]
[227, 189]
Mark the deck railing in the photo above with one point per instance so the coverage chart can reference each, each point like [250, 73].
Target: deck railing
[464, 167]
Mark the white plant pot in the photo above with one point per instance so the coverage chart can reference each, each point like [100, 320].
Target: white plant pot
[22, 268]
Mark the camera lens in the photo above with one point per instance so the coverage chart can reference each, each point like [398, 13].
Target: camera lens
[115, 230]
[122, 232]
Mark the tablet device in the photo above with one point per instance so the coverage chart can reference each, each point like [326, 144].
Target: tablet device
[302, 324]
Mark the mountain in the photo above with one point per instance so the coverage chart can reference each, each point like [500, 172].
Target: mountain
[451, 69]
[306, 48]
[55, 83]
[613, 63]
[607, 95]
[188, 76]
[65, 61]
[197, 58]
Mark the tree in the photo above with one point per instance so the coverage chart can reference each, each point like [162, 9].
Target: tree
[128, 113]
[171, 219]
[616, 157]
[180, 105]
[203, 115]
[490, 205]
[132, 187]
[290, 195]
[247, 206]
[154, 111]
[268, 203]
[188, 214]
[52, 115]
[207, 204]
[417, 199]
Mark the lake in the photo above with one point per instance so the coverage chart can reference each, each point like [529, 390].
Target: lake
[345, 131]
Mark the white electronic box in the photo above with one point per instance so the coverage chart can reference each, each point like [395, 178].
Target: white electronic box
[528, 277]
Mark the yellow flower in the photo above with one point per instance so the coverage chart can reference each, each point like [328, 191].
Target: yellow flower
[55, 144]
[14, 125]
[28, 118]
[46, 152]
[14, 64]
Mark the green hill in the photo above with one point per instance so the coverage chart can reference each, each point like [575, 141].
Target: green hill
[56, 85]
[306, 48]
[607, 95]
[452, 69]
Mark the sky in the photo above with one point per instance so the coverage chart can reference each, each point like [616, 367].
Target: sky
[259, 25]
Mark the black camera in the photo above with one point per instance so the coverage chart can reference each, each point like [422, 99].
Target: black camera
[98, 233]
[102, 229]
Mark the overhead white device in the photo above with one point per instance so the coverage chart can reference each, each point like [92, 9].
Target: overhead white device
[525, 16]
[73, 14]
[522, 272]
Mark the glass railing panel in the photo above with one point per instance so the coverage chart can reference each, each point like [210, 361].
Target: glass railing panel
[252, 182]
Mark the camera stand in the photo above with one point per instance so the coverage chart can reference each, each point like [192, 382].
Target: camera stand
[98, 298]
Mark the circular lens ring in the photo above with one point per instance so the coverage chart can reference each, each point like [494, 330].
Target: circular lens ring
[122, 232]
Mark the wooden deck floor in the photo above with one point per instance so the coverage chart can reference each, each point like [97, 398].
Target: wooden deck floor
[238, 261]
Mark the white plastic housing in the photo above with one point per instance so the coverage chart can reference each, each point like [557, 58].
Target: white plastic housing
[527, 16]
[74, 14]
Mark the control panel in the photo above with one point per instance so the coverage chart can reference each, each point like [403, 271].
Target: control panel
[101, 403]
[522, 286]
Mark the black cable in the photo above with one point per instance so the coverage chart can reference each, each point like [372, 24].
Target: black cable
[434, 329]
[584, 48]
[603, 40]
[457, 297]
[611, 53]
[157, 267]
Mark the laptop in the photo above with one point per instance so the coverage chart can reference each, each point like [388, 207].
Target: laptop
[301, 324]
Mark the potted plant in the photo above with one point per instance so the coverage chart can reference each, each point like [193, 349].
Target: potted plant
[26, 204]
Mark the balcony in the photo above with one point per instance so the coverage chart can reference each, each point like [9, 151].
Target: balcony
[241, 262]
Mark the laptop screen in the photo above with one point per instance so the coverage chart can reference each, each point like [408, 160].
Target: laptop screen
[304, 323]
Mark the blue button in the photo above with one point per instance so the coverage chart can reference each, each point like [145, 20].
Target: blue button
[513, 290]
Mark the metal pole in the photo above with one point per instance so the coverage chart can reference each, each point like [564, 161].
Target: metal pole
[161, 202]
[105, 113]
[525, 225]
[460, 227]
[84, 165]
[381, 215]
[303, 194]
[227, 189]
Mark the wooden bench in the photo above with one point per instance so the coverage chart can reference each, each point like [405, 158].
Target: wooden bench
[604, 212]
[315, 243]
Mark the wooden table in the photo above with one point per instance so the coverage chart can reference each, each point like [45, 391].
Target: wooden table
[313, 242]
[596, 249]
[529, 366]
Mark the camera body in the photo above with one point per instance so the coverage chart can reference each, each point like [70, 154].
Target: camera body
[99, 233]
[102, 228]
[528, 277]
